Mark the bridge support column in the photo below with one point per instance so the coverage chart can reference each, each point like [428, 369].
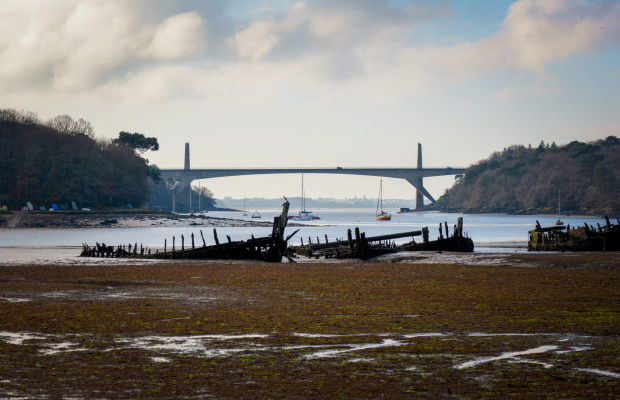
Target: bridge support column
[186, 167]
[419, 196]
[421, 191]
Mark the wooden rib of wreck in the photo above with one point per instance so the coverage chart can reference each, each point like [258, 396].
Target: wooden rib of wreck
[270, 248]
[367, 247]
[581, 238]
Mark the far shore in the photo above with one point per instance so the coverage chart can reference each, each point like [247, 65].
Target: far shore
[116, 219]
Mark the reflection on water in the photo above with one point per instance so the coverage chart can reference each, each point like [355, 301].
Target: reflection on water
[491, 233]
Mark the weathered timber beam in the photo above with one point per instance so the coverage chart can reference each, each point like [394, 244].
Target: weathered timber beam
[393, 236]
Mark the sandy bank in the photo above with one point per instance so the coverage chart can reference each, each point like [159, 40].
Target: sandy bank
[85, 219]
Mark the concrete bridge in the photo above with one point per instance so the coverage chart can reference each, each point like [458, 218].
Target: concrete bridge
[184, 177]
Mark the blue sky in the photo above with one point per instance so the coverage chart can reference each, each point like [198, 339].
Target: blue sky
[319, 83]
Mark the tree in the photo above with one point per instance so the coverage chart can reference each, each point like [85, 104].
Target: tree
[137, 141]
[65, 124]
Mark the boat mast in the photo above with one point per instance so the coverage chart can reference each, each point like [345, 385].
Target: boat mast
[303, 198]
[558, 204]
[380, 200]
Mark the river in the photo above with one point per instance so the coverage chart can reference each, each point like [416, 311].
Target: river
[490, 232]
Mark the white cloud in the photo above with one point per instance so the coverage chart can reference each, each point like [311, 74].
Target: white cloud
[76, 45]
[177, 37]
[357, 47]
[256, 41]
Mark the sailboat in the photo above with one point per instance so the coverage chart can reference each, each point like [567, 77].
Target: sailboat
[245, 213]
[559, 221]
[381, 215]
[304, 215]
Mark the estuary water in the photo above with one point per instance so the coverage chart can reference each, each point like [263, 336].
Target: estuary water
[490, 232]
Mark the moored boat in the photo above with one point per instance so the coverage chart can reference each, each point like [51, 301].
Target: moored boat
[304, 215]
[381, 215]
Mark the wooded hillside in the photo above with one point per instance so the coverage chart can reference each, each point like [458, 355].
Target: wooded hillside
[529, 180]
[61, 161]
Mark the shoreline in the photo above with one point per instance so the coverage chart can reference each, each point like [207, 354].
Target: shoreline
[116, 219]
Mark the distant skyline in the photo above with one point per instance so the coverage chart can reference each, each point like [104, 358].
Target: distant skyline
[325, 83]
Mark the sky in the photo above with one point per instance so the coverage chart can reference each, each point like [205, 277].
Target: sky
[320, 83]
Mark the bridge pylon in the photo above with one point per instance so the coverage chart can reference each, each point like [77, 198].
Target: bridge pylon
[186, 167]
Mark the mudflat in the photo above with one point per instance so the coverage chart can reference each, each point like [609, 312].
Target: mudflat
[533, 325]
[117, 219]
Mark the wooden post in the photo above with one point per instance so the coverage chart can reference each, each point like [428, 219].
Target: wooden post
[364, 246]
[165, 243]
[350, 239]
[217, 241]
[440, 231]
[193, 247]
[358, 241]
[447, 232]
[182, 242]
[173, 243]
[228, 237]
[204, 244]
[460, 226]
[326, 241]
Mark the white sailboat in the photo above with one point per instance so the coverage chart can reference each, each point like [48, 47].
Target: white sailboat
[381, 215]
[304, 215]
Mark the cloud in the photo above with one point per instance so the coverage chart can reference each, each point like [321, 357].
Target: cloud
[177, 37]
[121, 49]
[77, 44]
[540, 32]
[254, 42]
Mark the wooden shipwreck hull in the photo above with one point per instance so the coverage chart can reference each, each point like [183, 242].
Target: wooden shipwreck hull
[367, 247]
[581, 238]
[270, 248]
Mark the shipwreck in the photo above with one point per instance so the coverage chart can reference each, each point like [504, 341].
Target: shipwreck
[269, 248]
[274, 247]
[579, 238]
[363, 247]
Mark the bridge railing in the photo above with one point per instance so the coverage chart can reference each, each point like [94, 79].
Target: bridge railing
[306, 168]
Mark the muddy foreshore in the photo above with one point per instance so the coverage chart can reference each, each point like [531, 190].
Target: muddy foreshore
[534, 325]
[119, 219]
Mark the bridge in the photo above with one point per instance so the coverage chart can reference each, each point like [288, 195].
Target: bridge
[182, 178]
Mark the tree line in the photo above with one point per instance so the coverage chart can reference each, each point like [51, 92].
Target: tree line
[581, 177]
[61, 161]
